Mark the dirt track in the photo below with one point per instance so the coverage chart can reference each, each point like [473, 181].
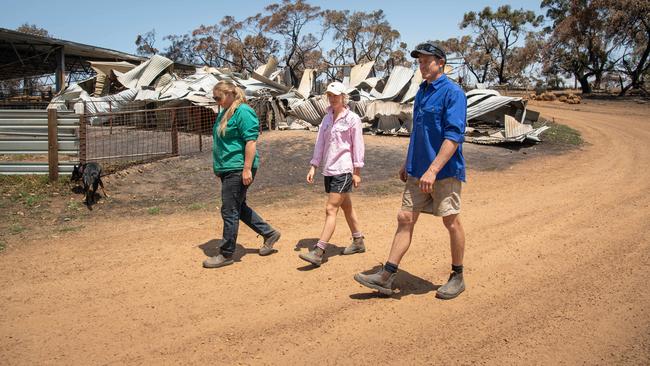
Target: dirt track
[557, 269]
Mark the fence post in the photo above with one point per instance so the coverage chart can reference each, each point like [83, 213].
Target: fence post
[52, 144]
[174, 134]
[82, 137]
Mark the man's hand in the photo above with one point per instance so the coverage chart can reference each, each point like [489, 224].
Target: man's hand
[427, 180]
[402, 174]
[310, 175]
[247, 177]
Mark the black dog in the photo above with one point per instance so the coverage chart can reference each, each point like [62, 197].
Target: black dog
[91, 177]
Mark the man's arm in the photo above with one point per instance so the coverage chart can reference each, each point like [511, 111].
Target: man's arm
[453, 135]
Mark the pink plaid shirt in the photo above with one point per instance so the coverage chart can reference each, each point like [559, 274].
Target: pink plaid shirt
[339, 145]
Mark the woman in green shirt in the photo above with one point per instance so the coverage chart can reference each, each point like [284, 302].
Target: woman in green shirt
[235, 162]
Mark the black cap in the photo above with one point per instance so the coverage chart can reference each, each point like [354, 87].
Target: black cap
[428, 48]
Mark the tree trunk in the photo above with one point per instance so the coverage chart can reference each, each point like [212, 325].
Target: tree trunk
[502, 77]
[584, 84]
[598, 81]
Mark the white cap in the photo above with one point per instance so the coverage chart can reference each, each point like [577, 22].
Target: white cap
[336, 88]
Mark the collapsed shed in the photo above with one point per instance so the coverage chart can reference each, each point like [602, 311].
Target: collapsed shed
[385, 104]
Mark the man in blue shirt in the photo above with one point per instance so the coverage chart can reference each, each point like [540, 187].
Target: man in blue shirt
[433, 171]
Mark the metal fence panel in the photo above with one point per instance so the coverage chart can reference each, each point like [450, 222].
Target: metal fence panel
[25, 132]
[32, 168]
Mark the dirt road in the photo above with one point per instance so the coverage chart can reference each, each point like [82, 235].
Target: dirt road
[557, 269]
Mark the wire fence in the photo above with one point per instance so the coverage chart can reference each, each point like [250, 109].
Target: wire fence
[138, 134]
[122, 133]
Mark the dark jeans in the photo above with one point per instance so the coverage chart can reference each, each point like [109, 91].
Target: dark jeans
[234, 208]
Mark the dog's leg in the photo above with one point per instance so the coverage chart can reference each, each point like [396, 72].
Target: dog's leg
[95, 184]
[101, 185]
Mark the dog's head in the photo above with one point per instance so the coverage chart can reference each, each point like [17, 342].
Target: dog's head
[77, 172]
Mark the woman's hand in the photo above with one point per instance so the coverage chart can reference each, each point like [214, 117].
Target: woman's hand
[247, 177]
[310, 175]
[356, 180]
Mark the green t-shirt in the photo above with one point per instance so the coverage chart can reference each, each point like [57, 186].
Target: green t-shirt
[228, 150]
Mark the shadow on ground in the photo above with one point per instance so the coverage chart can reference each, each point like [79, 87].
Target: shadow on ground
[331, 251]
[405, 284]
[211, 249]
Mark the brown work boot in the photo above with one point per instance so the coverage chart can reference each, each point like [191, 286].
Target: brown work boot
[357, 246]
[217, 261]
[314, 256]
[454, 286]
[267, 247]
[381, 281]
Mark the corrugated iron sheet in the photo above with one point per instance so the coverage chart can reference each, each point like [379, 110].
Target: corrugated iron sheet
[26, 132]
[33, 168]
[145, 73]
[397, 81]
[320, 104]
[483, 101]
[359, 73]
[307, 82]
[379, 108]
[311, 110]
[204, 82]
[514, 128]
[269, 68]
[416, 80]
[105, 67]
[369, 83]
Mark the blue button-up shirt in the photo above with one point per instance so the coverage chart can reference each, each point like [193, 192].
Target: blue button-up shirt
[439, 114]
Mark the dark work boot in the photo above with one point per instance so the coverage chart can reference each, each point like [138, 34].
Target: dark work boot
[454, 286]
[381, 281]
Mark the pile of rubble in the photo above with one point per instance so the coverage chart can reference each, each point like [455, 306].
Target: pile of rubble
[385, 104]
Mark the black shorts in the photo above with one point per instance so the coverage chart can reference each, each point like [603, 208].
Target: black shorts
[341, 183]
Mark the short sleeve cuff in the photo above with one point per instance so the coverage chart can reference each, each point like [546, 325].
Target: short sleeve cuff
[455, 137]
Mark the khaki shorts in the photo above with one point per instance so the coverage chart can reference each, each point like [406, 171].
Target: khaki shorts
[443, 201]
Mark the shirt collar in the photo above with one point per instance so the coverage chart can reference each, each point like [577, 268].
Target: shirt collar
[343, 116]
[436, 83]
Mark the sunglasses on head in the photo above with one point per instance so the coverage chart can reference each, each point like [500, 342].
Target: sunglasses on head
[431, 49]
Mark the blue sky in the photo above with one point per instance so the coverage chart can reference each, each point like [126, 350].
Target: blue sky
[115, 24]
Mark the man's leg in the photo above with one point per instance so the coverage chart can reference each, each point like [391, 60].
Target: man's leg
[456, 284]
[456, 238]
[402, 240]
[382, 281]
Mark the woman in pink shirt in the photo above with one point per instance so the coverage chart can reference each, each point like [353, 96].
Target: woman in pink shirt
[339, 152]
